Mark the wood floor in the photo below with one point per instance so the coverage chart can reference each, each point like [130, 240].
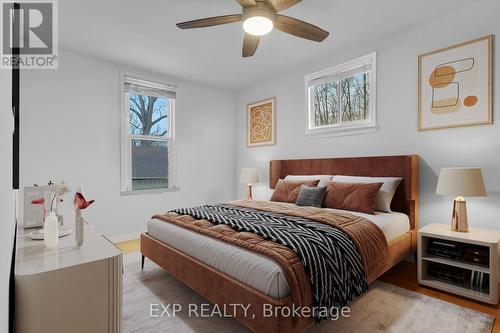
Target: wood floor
[403, 275]
[129, 247]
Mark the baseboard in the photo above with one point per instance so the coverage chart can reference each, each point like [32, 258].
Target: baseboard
[125, 238]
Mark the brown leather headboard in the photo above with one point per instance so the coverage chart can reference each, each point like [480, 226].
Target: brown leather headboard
[406, 166]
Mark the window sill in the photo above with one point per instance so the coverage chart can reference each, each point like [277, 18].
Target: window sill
[342, 131]
[151, 191]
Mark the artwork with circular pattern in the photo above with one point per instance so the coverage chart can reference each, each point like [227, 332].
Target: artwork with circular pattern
[261, 123]
[455, 85]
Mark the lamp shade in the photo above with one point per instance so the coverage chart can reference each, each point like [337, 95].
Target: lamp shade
[249, 175]
[466, 182]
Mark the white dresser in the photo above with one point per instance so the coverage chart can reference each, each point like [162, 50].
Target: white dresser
[68, 289]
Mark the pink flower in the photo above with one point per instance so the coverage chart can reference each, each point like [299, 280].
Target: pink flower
[80, 201]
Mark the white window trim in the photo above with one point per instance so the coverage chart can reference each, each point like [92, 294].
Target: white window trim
[353, 127]
[125, 137]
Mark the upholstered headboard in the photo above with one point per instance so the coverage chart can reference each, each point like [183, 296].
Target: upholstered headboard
[406, 166]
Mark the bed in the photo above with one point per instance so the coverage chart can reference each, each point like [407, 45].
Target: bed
[226, 273]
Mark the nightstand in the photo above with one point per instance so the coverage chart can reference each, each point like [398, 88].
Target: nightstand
[463, 263]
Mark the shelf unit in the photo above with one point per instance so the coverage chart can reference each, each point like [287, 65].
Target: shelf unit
[475, 237]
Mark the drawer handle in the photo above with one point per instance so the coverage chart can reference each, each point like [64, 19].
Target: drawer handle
[476, 259]
[476, 252]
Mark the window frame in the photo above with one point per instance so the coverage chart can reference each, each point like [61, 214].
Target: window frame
[351, 127]
[126, 137]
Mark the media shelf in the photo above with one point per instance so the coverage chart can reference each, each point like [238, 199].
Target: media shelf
[465, 264]
[456, 263]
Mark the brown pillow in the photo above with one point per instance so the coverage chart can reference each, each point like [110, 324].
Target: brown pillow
[288, 190]
[352, 196]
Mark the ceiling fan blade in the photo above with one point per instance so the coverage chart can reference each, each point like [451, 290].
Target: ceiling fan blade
[280, 5]
[299, 28]
[247, 3]
[250, 44]
[210, 21]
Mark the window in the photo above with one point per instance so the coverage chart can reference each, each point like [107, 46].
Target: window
[147, 135]
[342, 98]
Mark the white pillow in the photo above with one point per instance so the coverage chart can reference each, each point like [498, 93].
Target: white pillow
[322, 178]
[386, 193]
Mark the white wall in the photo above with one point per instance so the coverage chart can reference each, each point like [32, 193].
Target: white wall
[71, 131]
[70, 128]
[6, 194]
[397, 115]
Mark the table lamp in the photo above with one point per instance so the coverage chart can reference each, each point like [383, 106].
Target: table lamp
[460, 182]
[249, 176]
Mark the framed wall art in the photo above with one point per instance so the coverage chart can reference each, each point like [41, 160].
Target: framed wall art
[455, 85]
[33, 206]
[261, 123]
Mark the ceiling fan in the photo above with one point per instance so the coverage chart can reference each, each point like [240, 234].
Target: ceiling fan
[259, 18]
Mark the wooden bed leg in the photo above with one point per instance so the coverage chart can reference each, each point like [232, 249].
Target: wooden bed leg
[142, 263]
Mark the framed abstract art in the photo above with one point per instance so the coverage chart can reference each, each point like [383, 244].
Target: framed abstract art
[455, 85]
[261, 123]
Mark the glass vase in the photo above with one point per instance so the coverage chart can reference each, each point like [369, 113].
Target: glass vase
[78, 227]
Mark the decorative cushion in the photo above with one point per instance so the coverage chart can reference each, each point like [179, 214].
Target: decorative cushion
[386, 193]
[352, 196]
[311, 196]
[288, 190]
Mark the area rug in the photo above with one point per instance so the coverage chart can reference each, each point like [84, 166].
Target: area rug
[154, 301]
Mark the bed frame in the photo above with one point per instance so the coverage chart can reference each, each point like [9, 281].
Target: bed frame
[221, 289]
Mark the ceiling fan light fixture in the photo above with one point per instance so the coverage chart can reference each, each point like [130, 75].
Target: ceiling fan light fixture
[259, 17]
[258, 25]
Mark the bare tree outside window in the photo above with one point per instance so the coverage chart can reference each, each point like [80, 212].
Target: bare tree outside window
[326, 104]
[342, 98]
[147, 135]
[341, 101]
[148, 117]
[355, 97]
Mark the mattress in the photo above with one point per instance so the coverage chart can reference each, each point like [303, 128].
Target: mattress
[252, 269]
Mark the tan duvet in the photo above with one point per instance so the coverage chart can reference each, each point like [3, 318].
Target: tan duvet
[368, 238]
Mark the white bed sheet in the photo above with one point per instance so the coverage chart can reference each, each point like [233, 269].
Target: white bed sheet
[252, 269]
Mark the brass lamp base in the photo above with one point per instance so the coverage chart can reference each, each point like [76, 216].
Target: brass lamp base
[459, 216]
[249, 195]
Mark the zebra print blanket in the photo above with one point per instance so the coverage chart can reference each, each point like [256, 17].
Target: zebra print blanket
[328, 255]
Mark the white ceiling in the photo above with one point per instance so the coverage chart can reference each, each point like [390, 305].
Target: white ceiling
[142, 33]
